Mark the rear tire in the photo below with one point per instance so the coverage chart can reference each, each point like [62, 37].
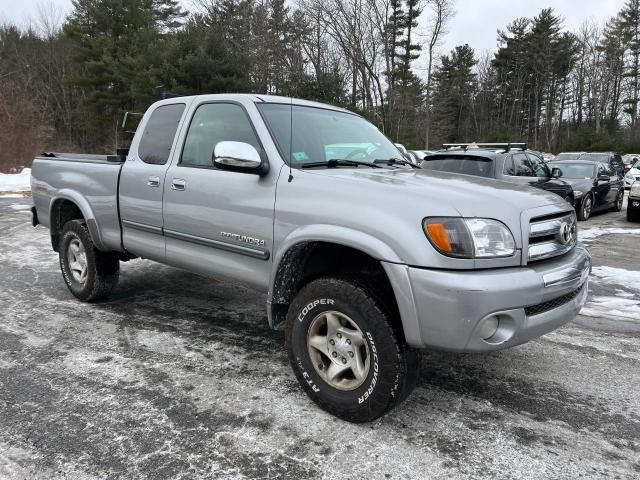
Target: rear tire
[89, 273]
[347, 350]
[585, 208]
[617, 207]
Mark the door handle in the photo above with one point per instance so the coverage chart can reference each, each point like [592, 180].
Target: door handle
[153, 181]
[178, 184]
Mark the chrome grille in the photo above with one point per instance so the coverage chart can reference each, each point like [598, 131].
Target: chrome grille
[548, 236]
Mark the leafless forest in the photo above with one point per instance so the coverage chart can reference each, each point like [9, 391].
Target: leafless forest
[66, 81]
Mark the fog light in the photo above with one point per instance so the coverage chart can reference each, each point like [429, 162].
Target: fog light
[489, 327]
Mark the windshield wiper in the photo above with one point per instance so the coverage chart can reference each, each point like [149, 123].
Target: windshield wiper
[337, 162]
[396, 161]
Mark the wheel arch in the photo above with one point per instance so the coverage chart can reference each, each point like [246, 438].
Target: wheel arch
[303, 257]
[69, 205]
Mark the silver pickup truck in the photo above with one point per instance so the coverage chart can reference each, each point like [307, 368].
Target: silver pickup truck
[364, 258]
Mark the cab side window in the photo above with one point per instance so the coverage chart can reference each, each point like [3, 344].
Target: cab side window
[522, 166]
[213, 123]
[159, 133]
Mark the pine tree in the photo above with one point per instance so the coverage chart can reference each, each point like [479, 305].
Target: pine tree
[630, 29]
[455, 87]
[120, 45]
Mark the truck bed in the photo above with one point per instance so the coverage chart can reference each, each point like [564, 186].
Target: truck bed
[89, 181]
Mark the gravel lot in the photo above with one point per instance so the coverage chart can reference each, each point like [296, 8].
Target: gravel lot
[178, 376]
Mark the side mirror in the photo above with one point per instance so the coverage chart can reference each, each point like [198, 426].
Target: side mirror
[239, 157]
[556, 172]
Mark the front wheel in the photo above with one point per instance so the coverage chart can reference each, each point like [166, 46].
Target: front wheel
[89, 273]
[346, 349]
[584, 211]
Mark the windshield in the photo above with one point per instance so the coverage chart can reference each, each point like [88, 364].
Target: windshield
[576, 170]
[320, 135]
[468, 165]
[567, 156]
[595, 157]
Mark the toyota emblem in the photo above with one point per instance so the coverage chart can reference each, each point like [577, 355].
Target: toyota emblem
[566, 232]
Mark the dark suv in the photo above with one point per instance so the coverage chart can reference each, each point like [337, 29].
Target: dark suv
[510, 162]
[612, 158]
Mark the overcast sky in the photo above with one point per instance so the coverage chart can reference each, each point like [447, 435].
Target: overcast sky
[476, 21]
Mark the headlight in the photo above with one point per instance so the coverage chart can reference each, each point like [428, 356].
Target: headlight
[635, 189]
[469, 237]
[578, 193]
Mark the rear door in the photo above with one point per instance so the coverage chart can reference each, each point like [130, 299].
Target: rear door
[219, 222]
[142, 181]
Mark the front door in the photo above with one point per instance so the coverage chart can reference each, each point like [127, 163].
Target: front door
[216, 221]
[142, 182]
[526, 169]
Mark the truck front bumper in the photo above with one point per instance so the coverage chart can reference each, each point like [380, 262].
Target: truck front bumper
[454, 310]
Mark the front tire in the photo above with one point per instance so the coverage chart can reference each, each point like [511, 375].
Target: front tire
[584, 211]
[347, 351]
[89, 273]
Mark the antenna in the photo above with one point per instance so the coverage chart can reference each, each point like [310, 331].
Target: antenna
[290, 136]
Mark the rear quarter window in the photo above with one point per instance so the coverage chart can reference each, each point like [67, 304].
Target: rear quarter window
[159, 133]
[467, 165]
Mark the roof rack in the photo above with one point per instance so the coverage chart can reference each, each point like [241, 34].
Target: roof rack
[505, 146]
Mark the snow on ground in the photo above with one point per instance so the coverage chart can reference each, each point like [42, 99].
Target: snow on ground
[619, 276]
[15, 182]
[589, 234]
[624, 304]
[616, 306]
[20, 207]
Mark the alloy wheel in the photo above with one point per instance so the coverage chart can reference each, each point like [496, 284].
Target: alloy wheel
[77, 260]
[586, 207]
[338, 350]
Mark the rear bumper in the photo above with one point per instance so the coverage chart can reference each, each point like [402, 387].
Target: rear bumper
[449, 308]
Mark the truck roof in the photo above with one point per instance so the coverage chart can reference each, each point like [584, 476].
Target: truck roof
[256, 98]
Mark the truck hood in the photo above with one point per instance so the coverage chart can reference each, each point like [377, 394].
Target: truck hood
[471, 196]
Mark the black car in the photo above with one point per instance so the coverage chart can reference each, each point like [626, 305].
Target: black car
[508, 162]
[596, 185]
[611, 158]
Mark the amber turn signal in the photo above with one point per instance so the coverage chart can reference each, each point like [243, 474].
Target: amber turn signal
[439, 236]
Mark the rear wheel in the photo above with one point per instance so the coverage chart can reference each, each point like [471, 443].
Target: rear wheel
[617, 207]
[347, 351]
[584, 211]
[89, 273]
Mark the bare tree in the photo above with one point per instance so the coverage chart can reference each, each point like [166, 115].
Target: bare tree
[442, 11]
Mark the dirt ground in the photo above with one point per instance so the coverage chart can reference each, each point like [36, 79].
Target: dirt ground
[178, 376]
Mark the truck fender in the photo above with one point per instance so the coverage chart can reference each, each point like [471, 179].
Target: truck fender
[296, 242]
[84, 206]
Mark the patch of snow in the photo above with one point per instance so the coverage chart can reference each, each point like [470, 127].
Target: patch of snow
[619, 276]
[589, 234]
[612, 306]
[19, 207]
[622, 293]
[15, 182]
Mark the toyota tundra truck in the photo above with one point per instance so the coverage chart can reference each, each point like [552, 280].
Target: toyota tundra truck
[364, 258]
